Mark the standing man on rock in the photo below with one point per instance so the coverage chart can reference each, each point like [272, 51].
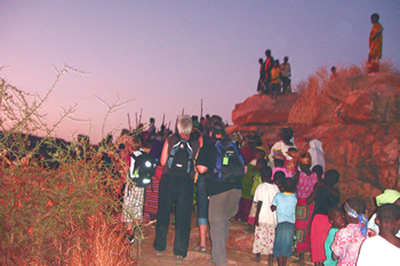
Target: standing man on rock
[224, 192]
[268, 64]
[375, 44]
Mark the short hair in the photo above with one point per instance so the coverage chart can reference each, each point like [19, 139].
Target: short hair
[279, 162]
[266, 171]
[333, 210]
[318, 170]
[268, 52]
[290, 185]
[260, 60]
[287, 133]
[279, 176]
[357, 204]
[388, 213]
[286, 57]
[331, 177]
[218, 128]
[184, 124]
[135, 142]
[375, 16]
[276, 61]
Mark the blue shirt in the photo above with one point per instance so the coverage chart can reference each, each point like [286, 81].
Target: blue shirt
[285, 207]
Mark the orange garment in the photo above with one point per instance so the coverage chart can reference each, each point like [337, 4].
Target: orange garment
[275, 75]
[375, 48]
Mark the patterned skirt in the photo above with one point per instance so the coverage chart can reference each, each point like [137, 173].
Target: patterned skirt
[264, 238]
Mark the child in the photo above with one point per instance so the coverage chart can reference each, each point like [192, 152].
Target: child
[285, 205]
[336, 218]
[132, 211]
[383, 249]
[261, 163]
[265, 220]
[348, 240]
[325, 197]
[275, 80]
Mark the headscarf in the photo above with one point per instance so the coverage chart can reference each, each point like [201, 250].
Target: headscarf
[277, 154]
[388, 196]
[362, 218]
[263, 150]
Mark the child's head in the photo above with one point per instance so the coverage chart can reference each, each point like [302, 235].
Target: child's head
[286, 59]
[290, 185]
[260, 164]
[261, 61]
[279, 179]
[388, 218]
[266, 174]
[318, 170]
[356, 212]
[276, 63]
[260, 153]
[336, 217]
[331, 177]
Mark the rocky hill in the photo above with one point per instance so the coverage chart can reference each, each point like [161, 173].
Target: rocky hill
[357, 118]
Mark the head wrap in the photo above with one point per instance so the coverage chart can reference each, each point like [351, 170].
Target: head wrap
[263, 150]
[277, 154]
[306, 159]
[362, 218]
[388, 196]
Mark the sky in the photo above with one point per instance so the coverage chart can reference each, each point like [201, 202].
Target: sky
[165, 57]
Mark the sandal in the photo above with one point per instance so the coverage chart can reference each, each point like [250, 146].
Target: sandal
[199, 248]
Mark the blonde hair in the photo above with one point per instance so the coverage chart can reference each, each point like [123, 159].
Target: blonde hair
[184, 124]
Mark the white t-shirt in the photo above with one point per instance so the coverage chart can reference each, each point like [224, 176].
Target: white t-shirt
[378, 251]
[266, 192]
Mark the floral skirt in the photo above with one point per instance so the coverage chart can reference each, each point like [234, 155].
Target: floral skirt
[264, 238]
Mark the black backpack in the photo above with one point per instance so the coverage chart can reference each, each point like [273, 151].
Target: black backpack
[180, 160]
[144, 168]
[230, 164]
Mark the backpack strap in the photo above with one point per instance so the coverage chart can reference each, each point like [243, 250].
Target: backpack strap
[218, 164]
[238, 154]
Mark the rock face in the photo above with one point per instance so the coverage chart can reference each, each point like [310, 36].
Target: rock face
[357, 118]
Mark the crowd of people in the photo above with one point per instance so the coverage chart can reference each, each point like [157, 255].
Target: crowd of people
[286, 197]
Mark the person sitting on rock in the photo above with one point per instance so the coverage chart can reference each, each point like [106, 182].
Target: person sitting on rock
[283, 145]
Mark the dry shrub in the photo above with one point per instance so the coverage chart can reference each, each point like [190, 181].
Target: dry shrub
[321, 94]
[59, 210]
[104, 244]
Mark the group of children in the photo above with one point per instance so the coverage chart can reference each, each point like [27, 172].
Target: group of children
[335, 233]
[339, 241]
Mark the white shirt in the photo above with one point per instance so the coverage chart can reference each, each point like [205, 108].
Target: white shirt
[378, 251]
[266, 192]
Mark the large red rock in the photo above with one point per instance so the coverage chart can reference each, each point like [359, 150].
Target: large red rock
[357, 119]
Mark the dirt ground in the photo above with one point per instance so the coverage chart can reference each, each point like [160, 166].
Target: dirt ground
[238, 248]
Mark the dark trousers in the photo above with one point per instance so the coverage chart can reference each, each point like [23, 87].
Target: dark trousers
[179, 190]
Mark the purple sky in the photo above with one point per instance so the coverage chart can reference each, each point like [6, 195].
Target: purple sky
[168, 55]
